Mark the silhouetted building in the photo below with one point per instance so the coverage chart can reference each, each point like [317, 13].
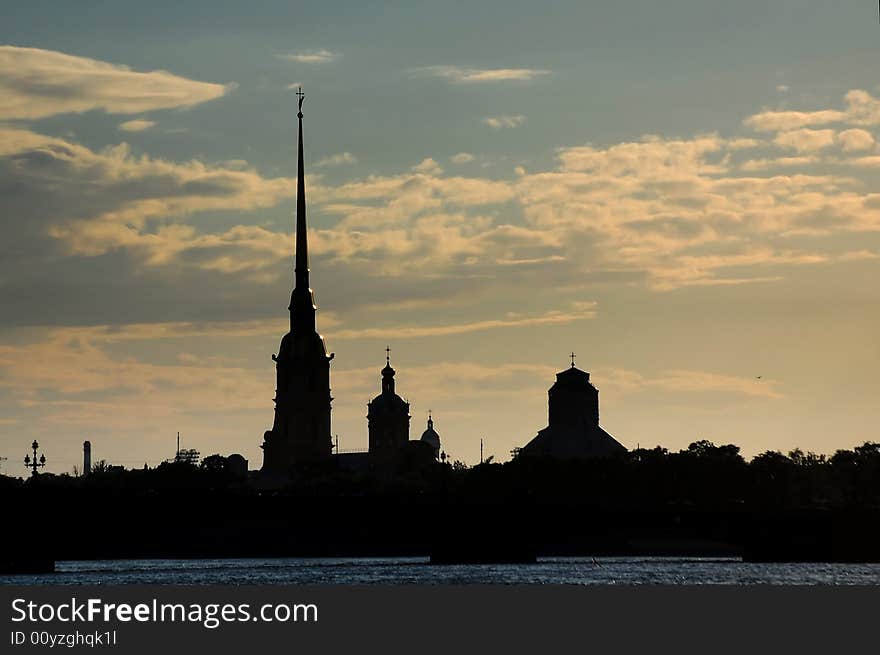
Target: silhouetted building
[387, 416]
[354, 462]
[300, 434]
[391, 452]
[237, 465]
[431, 437]
[573, 431]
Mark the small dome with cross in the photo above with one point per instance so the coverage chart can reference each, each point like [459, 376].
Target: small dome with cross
[431, 437]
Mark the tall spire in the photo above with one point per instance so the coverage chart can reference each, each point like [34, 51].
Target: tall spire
[302, 302]
[302, 245]
[300, 433]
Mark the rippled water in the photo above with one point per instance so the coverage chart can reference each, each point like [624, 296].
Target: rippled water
[562, 570]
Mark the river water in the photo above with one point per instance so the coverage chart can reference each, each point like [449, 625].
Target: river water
[553, 570]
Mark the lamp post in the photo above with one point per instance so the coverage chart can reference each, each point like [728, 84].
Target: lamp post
[35, 463]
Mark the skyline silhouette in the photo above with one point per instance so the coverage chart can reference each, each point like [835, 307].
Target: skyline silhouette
[705, 243]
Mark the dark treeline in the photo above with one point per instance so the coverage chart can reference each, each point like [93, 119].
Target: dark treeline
[702, 475]
[703, 500]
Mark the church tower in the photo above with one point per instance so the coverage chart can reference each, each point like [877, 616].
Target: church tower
[300, 434]
[573, 430]
[387, 416]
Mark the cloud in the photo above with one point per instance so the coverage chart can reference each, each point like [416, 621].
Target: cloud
[669, 159]
[773, 121]
[181, 330]
[461, 158]
[38, 83]
[777, 163]
[682, 381]
[666, 212]
[660, 212]
[460, 75]
[498, 122]
[338, 159]
[805, 140]
[89, 387]
[855, 139]
[428, 166]
[677, 210]
[861, 109]
[673, 211]
[235, 164]
[454, 384]
[870, 161]
[579, 312]
[95, 202]
[137, 125]
[782, 88]
[859, 255]
[311, 56]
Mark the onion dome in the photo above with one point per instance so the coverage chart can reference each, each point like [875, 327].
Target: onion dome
[431, 437]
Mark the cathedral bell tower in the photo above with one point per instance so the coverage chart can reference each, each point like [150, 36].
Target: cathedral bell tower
[387, 416]
[300, 434]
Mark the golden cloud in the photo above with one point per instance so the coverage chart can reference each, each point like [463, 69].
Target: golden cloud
[37, 83]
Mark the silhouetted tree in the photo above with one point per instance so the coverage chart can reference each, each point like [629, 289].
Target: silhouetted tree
[214, 463]
[705, 448]
[101, 466]
[187, 456]
[772, 460]
[806, 459]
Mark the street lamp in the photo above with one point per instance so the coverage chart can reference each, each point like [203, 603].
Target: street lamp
[35, 463]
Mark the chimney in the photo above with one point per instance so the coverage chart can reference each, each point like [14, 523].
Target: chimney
[87, 457]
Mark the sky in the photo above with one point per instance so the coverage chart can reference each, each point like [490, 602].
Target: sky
[685, 194]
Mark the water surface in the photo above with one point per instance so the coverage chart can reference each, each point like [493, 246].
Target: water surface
[551, 570]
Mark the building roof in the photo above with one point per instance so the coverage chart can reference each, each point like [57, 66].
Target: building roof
[567, 442]
[572, 377]
[430, 435]
[387, 401]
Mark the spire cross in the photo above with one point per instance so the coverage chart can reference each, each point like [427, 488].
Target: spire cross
[388, 355]
[572, 355]
[301, 96]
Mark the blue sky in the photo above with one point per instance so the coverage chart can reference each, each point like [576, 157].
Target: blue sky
[685, 193]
